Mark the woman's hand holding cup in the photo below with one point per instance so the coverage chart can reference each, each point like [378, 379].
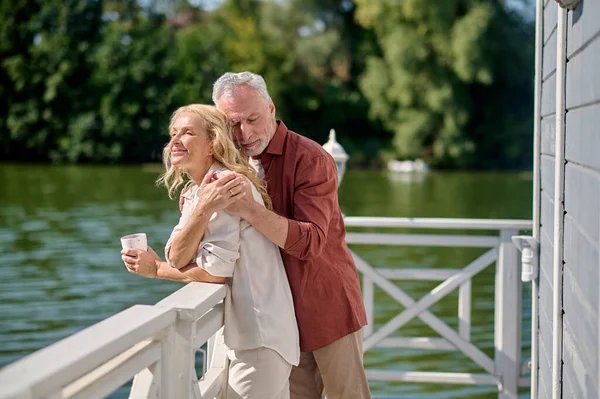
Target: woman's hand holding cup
[144, 263]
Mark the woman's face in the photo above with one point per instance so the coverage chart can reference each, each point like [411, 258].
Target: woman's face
[190, 147]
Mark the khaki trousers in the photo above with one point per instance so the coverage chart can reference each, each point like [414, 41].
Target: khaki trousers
[259, 373]
[335, 370]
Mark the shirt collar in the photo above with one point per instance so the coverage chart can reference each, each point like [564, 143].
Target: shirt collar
[275, 146]
[189, 190]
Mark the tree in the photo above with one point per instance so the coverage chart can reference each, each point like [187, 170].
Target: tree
[315, 52]
[199, 55]
[439, 58]
[134, 75]
[96, 80]
[45, 68]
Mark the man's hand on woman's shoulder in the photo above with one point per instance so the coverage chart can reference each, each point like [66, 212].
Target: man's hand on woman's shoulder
[218, 191]
[243, 205]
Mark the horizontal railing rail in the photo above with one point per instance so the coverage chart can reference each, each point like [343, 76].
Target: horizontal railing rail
[438, 223]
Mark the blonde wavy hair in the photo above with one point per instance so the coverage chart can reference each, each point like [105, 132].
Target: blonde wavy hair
[217, 127]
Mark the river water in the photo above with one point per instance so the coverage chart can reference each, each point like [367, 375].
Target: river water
[60, 267]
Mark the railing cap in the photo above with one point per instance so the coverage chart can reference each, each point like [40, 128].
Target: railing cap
[195, 299]
[438, 223]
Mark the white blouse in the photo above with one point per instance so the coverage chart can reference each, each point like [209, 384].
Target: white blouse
[259, 310]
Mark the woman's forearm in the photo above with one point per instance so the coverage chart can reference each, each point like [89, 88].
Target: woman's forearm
[184, 246]
[187, 274]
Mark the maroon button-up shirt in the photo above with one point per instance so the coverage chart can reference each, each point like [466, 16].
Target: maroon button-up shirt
[302, 182]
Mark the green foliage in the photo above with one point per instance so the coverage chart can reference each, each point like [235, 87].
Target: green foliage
[199, 62]
[96, 81]
[436, 83]
[135, 75]
[44, 69]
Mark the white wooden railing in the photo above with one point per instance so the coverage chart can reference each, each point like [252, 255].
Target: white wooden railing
[157, 344]
[505, 370]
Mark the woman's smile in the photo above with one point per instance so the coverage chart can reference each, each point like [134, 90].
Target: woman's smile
[178, 154]
[178, 151]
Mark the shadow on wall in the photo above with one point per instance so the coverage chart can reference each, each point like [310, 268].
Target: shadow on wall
[578, 12]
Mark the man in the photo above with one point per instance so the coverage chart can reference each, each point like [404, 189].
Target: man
[308, 227]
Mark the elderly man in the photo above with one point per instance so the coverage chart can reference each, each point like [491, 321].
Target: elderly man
[307, 225]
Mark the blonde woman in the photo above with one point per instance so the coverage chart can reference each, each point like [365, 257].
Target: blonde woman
[210, 245]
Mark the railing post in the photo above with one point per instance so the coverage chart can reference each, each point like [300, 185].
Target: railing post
[147, 383]
[369, 300]
[168, 365]
[464, 311]
[174, 376]
[507, 335]
[216, 357]
[157, 381]
[184, 359]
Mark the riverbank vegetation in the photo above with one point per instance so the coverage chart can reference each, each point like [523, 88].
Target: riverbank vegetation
[95, 81]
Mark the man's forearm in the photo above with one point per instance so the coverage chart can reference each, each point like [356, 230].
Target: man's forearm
[187, 274]
[269, 224]
[185, 244]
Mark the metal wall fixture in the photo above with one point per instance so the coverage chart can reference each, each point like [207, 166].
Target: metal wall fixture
[568, 4]
[529, 248]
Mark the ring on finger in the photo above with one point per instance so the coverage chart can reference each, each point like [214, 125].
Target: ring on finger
[230, 192]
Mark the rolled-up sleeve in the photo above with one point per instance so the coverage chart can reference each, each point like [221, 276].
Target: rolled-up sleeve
[315, 199]
[220, 248]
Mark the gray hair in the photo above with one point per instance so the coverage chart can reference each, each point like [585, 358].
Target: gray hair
[227, 84]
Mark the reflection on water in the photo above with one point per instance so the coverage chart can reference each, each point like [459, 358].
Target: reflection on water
[61, 271]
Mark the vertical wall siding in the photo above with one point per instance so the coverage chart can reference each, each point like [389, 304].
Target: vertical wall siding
[582, 202]
[548, 131]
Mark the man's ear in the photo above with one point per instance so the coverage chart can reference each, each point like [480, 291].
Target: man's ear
[271, 107]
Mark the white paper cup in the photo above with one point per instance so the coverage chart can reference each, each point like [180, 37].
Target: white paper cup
[137, 241]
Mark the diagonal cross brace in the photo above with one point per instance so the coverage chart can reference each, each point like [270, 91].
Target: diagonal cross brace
[426, 316]
[431, 298]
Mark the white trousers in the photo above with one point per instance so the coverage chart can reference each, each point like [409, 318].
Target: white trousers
[259, 373]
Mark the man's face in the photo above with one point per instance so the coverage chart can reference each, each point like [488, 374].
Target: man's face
[252, 119]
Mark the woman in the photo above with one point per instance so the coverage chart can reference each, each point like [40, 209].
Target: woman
[210, 245]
